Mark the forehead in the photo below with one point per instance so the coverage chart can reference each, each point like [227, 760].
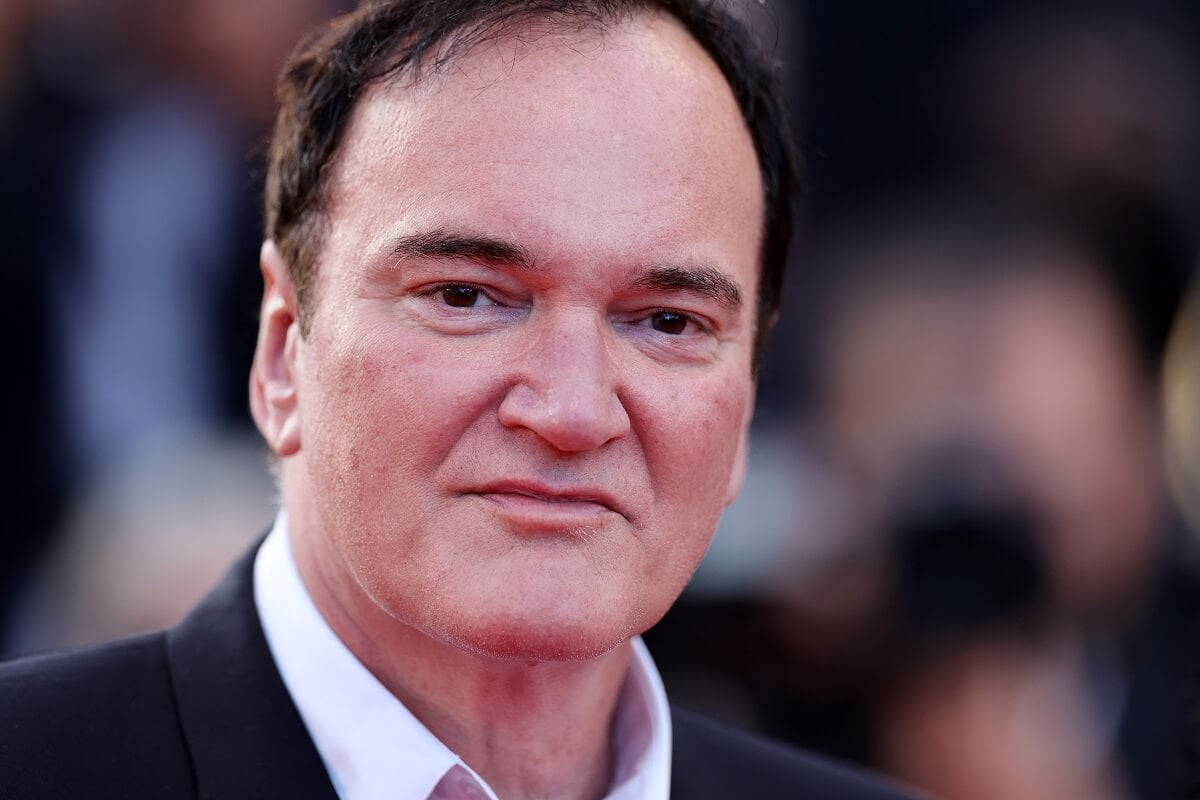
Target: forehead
[574, 136]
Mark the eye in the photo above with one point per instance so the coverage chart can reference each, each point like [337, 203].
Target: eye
[461, 296]
[670, 322]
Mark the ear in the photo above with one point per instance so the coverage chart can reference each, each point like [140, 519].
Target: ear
[741, 458]
[272, 375]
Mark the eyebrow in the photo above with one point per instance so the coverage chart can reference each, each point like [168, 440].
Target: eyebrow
[440, 243]
[703, 280]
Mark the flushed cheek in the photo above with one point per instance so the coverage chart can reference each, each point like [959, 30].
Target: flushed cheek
[691, 454]
[695, 432]
[387, 412]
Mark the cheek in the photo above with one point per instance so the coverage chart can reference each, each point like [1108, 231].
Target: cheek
[378, 410]
[695, 434]
[380, 414]
[690, 452]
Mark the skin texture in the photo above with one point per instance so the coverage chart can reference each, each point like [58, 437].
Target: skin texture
[523, 403]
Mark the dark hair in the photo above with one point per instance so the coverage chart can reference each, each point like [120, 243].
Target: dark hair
[329, 73]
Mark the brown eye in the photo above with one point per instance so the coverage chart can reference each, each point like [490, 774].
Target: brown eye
[669, 322]
[460, 296]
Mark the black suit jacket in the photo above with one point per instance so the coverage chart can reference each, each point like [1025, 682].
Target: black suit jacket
[200, 711]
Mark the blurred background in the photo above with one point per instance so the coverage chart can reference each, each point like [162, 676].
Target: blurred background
[966, 554]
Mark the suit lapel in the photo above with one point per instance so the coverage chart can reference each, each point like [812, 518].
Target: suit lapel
[245, 736]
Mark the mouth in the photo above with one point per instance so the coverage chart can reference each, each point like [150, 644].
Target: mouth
[573, 504]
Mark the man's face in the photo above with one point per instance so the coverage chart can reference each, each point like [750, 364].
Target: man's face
[523, 400]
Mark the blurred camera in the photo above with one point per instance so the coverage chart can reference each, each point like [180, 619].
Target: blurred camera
[965, 547]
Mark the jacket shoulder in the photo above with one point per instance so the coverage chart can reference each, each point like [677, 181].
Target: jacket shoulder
[99, 722]
[713, 760]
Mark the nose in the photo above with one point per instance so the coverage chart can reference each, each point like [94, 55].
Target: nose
[567, 387]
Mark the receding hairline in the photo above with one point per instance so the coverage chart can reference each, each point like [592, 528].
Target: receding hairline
[528, 26]
[459, 46]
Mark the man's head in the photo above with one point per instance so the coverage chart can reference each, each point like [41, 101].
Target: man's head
[511, 388]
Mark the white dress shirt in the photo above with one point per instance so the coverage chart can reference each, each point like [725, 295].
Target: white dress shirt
[375, 749]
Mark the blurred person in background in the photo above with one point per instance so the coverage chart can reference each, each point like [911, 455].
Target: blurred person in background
[989, 405]
[998, 376]
[128, 130]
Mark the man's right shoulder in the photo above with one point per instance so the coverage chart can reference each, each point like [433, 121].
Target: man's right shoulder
[99, 722]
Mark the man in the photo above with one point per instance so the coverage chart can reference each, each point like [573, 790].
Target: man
[520, 256]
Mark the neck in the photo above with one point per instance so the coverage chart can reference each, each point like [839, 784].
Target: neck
[530, 729]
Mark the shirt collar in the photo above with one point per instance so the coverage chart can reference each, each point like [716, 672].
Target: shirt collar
[372, 746]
